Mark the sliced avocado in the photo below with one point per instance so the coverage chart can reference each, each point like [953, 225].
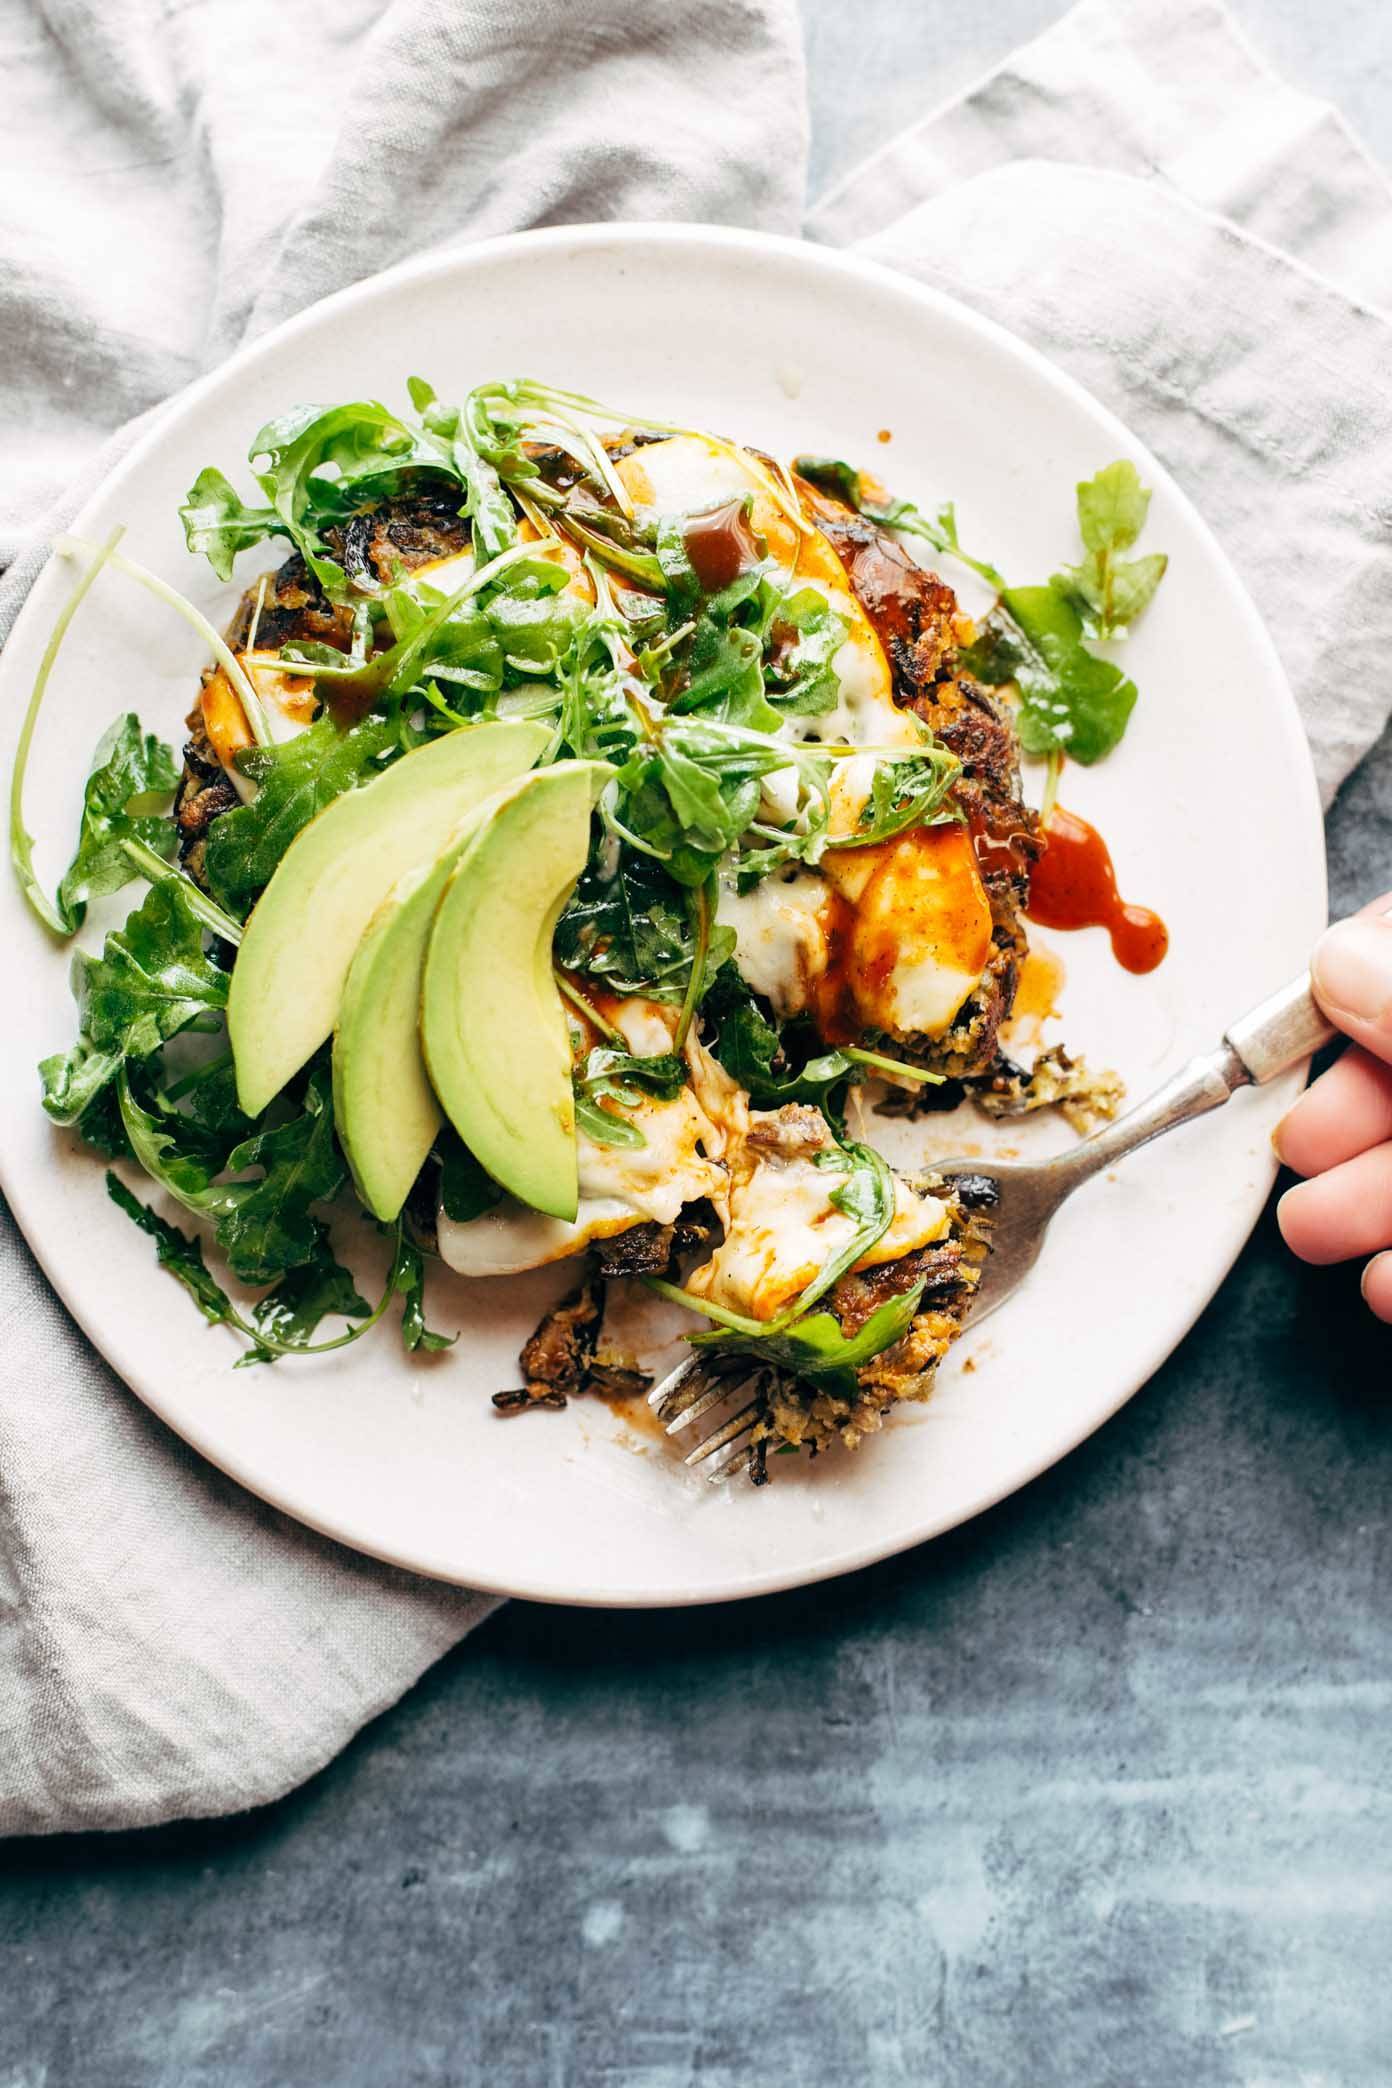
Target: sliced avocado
[385, 1111]
[300, 940]
[493, 1026]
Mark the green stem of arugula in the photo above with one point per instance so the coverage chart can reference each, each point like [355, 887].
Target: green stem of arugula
[21, 841]
[880, 1064]
[662, 648]
[735, 1321]
[909, 520]
[638, 566]
[73, 547]
[350, 1334]
[273, 1346]
[591, 1014]
[204, 909]
[702, 902]
[550, 398]
[1051, 787]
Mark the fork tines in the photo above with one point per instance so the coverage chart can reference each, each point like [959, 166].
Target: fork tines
[694, 1389]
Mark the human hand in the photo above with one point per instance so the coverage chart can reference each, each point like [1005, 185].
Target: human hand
[1340, 1131]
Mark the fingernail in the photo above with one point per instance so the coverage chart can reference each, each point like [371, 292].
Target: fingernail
[1277, 1135]
[1352, 969]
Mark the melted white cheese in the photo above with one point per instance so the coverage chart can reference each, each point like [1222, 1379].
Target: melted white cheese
[620, 1186]
[865, 713]
[780, 935]
[783, 1229]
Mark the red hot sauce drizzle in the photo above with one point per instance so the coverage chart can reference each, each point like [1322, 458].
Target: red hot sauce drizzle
[1074, 886]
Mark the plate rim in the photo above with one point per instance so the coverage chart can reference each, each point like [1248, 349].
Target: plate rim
[845, 265]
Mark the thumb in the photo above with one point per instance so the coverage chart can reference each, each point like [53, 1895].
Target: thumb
[1352, 975]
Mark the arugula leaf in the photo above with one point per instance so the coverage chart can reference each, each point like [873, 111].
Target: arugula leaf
[605, 1126]
[285, 1318]
[318, 1288]
[797, 1339]
[147, 862]
[628, 924]
[296, 779]
[152, 980]
[266, 1226]
[74, 1082]
[217, 524]
[688, 797]
[868, 1196]
[269, 1227]
[678, 573]
[752, 1051]
[719, 669]
[724, 677]
[597, 720]
[815, 1349]
[131, 778]
[904, 794]
[467, 1190]
[211, 1094]
[806, 636]
[622, 1077]
[491, 514]
[359, 442]
[831, 475]
[408, 1280]
[21, 840]
[535, 624]
[1071, 702]
[401, 666]
[1108, 591]
[100, 1125]
[1112, 507]
[181, 1163]
[179, 1253]
[463, 649]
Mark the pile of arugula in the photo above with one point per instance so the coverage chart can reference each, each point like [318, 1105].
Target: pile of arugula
[685, 690]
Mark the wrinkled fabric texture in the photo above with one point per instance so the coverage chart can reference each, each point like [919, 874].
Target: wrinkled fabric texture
[1218, 272]
[1219, 262]
[178, 179]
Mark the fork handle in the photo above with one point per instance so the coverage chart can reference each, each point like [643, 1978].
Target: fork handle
[1280, 1031]
[1277, 1034]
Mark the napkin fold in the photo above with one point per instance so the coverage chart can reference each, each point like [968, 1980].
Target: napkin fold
[1209, 250]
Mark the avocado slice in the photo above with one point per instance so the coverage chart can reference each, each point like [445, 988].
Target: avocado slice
[304, 929]
[385, 1110]
[492, 1023]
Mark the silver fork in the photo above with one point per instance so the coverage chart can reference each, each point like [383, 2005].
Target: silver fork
[1017, 1200]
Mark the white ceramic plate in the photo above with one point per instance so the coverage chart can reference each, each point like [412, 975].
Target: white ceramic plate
[1209, 805]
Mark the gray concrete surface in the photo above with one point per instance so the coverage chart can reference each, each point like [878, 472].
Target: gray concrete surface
[1092, 1794]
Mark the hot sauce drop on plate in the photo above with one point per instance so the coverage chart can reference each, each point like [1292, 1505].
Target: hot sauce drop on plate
[1074, 886]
